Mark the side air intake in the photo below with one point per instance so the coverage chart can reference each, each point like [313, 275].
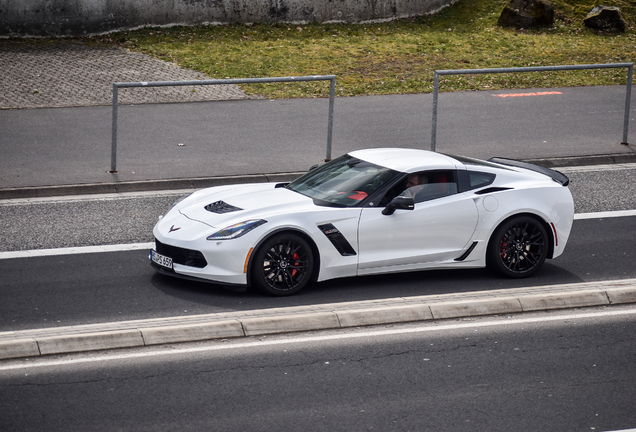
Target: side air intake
[337, 239]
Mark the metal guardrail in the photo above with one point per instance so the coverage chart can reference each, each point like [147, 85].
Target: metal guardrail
[116, 86]
[630, 73]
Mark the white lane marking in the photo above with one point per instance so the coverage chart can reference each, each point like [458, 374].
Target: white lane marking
[220, 346]
[139, 246]
[95, 197]
[76, 250]
[603, 215]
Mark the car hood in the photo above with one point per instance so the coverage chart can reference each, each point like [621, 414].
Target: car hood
[218, 207]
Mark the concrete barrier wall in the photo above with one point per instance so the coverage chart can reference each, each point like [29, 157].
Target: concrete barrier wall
[84, 17]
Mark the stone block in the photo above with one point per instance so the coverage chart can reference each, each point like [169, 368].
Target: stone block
[606, 18]
[527, 14]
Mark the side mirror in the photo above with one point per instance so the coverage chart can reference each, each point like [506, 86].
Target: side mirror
[399, 203]
[313, 167]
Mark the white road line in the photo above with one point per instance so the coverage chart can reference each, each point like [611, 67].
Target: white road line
[229, 345]
[95, 197]
[140, 246]
[76, 250]
[604, 215]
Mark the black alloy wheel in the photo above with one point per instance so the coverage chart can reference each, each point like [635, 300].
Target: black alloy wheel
[518, 247]
[283, 265]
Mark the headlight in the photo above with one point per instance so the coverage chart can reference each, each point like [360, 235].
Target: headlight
[237, 230]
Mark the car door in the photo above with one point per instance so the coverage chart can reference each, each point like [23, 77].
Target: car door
[438, 228]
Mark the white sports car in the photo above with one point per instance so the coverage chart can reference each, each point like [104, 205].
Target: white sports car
[369, 212]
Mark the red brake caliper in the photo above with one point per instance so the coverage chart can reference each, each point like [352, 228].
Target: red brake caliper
[295, 257]
[504, 245]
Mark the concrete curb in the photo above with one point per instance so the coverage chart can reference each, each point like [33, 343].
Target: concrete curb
[203, 182]
[142, 186]
[35, 343]
[569, 161]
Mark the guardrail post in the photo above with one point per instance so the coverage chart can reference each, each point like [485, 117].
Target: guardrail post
[628, 97]
[434, 124]
[113, 149]
[332, 96]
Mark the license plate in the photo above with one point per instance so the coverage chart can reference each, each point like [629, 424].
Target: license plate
[162, 260]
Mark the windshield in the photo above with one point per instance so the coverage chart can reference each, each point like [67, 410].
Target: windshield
[345, 181]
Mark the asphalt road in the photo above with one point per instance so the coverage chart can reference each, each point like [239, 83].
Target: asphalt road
[106, 287]
[560, 371]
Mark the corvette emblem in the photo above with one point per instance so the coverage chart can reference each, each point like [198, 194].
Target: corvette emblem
[172, 228]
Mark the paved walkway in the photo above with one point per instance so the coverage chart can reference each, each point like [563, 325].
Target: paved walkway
[38, 74]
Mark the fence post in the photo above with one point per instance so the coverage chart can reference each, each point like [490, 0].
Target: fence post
[628, 97]
[332, 96]
[113, 149]
[434, 124]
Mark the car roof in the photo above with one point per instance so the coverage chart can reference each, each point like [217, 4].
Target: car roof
[407, 160]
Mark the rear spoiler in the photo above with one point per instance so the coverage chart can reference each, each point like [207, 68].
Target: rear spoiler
[554, 175]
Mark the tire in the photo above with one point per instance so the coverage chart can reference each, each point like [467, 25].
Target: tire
[283, 265]
[518, 247]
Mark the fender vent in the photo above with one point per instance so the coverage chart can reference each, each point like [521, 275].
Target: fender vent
[337, 239]
[221, 207]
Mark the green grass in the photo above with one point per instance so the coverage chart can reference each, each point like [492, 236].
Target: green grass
[399, 56]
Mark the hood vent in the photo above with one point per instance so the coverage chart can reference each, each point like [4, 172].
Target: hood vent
[221, 207]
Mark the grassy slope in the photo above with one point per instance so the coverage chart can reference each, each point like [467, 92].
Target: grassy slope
[399, 56]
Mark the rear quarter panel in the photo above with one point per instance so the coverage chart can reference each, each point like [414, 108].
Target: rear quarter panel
[551, 202]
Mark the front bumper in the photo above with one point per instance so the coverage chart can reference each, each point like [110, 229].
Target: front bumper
[172, 273]
[221, 262]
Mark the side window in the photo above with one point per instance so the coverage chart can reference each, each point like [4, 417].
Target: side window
[392, 193]
[469, 180]
[429, 185]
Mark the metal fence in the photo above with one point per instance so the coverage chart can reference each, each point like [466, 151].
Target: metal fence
[116, 86]
[630, 73]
